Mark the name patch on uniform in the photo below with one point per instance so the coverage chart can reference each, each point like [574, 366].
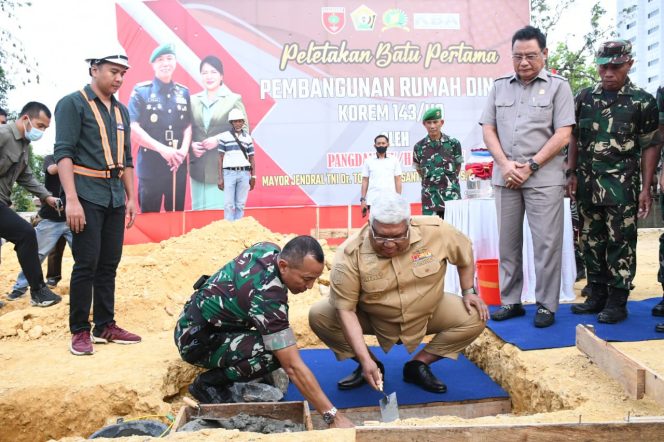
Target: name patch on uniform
[370, 259]
[372, 277]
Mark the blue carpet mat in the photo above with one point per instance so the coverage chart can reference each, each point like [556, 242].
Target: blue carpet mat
[639, 326]
[464, 380]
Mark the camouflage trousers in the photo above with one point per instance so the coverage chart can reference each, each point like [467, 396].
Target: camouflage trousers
[577, 226]
[660, 273]
[434, 197]
[241, 354]
[608, 237]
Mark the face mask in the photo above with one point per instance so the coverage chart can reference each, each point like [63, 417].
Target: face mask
[381, 149]
[33, 134]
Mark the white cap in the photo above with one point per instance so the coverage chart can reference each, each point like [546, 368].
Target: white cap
[115, 54]
[235, 114]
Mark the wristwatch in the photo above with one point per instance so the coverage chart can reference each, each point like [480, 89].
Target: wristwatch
[470, 291]
[330, 415]
[569, 172]
[533, 165]
[362, 199]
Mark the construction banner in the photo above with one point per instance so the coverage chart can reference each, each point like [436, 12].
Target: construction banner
[316, 82]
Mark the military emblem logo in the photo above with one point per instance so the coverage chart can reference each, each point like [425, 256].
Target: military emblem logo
[395, 19]
[364, 18]
[334, 19]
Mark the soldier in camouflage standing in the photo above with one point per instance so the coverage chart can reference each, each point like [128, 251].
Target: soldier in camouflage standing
[611, 165]
[658, 310]
[437, 159]
[236, 323]
[526, 123]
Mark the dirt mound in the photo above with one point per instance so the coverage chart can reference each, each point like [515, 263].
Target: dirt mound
[46, 393]
[60, 394]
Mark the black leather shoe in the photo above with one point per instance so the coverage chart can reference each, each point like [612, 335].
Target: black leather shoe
[544, 317]
[355, 379]
[508, 311]
[417, 372]
[660, 327]
[658, 310]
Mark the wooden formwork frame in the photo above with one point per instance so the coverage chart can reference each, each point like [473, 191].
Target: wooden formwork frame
[637, 379]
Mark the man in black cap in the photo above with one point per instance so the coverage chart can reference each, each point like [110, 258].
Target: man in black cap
[160, 112]
[611, 163]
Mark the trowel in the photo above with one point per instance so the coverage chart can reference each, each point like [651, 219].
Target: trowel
[389, 409]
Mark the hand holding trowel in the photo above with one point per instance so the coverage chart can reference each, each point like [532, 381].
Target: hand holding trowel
[389, 409]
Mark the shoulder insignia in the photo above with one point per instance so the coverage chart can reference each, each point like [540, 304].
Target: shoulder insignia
[425, 220]
[180, 85]
[353, 243]
[504, 77]
[559, 77]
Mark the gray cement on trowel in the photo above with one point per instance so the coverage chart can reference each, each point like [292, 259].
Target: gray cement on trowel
[244, 422]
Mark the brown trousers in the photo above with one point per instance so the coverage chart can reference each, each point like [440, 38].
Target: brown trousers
[453, 327]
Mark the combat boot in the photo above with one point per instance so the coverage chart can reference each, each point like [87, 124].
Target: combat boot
[595, 301]
[616, 307]
[211, 387]
[658, 310]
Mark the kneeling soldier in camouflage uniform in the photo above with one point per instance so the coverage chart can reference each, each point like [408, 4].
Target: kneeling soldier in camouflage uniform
[236, 323]
[615, 125]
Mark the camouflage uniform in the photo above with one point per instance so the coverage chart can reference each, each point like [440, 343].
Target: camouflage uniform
[611, 133]
[439, 162]
[238, 317]
[660, 106]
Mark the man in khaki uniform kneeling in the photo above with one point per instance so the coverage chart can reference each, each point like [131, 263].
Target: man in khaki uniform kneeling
[387, 281]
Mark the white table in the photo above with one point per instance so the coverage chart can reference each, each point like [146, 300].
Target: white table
[477, 219]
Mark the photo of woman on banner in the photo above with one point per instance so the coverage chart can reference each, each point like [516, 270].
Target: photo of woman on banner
[210, 109]
[160, 112]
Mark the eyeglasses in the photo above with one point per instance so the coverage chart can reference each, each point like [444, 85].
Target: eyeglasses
[528, 57]
[382, 240]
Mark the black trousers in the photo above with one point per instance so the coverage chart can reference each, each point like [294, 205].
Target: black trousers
[97, 251]
[151, 191]
[55, 260]
[19, 232]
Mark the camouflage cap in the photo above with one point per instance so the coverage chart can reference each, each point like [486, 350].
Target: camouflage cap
[614, 52]
[160, 50]
[432, 114]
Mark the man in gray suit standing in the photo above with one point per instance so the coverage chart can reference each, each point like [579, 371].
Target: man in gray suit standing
[527, 121]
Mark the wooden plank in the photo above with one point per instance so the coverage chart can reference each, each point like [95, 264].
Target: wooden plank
[604, 431]
[465, 409]
[629, 373]
[296, 411]
[654, 386]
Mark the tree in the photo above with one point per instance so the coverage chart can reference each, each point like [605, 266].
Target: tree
[12, 54]
[578, 66]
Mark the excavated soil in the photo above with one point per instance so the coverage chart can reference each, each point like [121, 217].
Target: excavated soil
[46, 393]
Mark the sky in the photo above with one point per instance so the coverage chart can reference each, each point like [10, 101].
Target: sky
[60, 46]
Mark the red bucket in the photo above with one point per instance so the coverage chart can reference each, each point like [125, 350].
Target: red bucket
[487, 280]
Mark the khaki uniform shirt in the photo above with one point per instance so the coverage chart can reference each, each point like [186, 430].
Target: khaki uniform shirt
[398, 294]
[14, 167]
[526, 116]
